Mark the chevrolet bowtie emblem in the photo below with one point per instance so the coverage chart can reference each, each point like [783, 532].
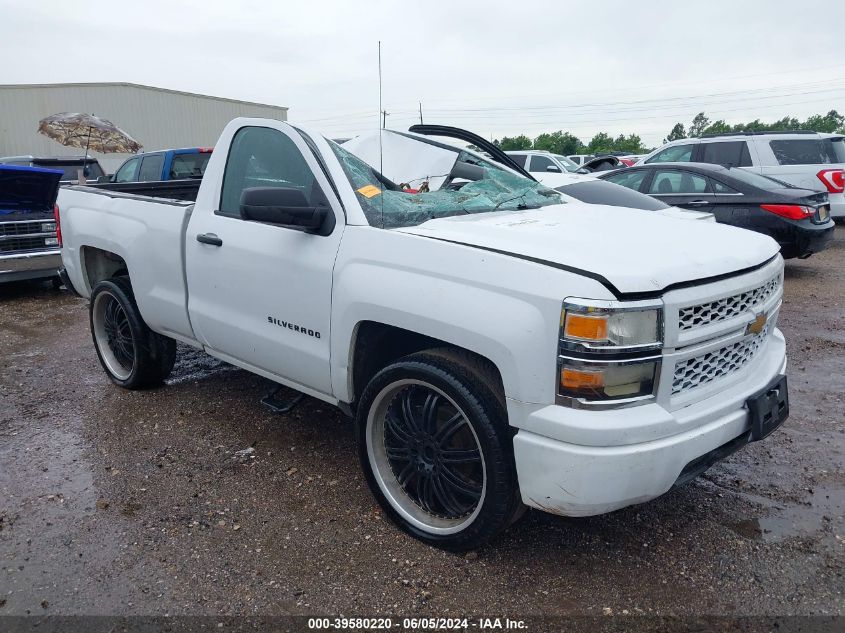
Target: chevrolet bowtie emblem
[757, 325]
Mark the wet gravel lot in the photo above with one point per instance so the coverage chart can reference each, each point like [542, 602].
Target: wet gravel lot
[140, 502]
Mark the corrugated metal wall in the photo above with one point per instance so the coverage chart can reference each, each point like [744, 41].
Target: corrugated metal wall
[158, 119]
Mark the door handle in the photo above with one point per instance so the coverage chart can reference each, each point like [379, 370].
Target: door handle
[209, 238]
[698, 203]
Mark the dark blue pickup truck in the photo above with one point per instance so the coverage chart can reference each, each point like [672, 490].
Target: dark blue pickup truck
[170, 164]
[29, 241]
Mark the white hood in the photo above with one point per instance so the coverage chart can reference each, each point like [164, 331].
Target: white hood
[636, 251]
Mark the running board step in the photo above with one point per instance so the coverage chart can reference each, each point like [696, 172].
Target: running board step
[272, 402]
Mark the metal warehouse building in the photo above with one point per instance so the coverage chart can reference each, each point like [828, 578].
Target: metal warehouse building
[157, 118]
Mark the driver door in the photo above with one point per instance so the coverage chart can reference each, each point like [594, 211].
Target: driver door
[259, 293]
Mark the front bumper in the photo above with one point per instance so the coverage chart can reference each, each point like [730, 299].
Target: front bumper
[566, 468]
[34, 265]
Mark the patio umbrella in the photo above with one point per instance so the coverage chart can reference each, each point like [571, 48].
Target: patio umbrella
[75, 129]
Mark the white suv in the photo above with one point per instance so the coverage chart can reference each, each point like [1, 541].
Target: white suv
[810, 160]
[542, 162]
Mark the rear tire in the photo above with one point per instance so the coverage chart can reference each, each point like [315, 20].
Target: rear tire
[132, 355]
[436, 450]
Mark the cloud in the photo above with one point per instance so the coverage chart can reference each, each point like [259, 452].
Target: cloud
[495, 67]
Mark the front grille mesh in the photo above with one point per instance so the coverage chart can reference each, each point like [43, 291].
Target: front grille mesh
[700, 370]
[17, 237]
[20, 244]
[22, 228]
[728, 307]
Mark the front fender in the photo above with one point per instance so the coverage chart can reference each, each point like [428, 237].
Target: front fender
[502, 308]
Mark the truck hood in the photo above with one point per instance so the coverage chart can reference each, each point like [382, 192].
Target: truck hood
[24, 189]
[628, 250]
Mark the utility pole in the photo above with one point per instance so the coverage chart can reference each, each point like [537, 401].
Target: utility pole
[384, 114]
[421, 121]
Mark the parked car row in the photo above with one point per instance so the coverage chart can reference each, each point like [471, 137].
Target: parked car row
[541, 162]
[789, 185]
[809, 160]
[29, 186]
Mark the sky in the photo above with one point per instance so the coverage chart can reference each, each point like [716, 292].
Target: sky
[496, 68]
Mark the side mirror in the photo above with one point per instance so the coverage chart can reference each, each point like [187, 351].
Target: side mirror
[553, 168]
[284, 206]
[104, 179]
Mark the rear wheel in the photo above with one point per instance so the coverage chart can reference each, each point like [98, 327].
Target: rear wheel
[132, 355]
[436, 450]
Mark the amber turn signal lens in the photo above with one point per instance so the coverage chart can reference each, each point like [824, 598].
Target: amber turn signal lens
[590, 328]
[577, 380]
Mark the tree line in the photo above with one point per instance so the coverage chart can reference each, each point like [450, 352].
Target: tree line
[561, 142]
[832, 122]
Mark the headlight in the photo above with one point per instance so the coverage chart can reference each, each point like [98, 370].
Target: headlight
[609, 324]
[609, 352]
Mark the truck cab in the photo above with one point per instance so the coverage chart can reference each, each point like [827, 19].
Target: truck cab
[171, 164]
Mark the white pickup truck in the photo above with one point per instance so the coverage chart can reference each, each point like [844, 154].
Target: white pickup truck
[498, 347]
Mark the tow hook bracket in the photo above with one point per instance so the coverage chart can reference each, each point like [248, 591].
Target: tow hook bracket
[276, 405]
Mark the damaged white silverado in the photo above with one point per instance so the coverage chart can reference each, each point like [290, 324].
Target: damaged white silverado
[498, 347]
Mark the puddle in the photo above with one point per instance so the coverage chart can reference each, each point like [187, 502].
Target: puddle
[193, 365]
[49, 472]
[824, 507]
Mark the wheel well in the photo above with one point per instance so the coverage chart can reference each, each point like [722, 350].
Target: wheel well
[376, 345]
[100, 264]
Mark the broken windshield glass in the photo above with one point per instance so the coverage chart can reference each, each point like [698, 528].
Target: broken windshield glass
[473, 185]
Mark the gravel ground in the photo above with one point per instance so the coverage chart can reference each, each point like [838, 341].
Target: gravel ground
[117, 502]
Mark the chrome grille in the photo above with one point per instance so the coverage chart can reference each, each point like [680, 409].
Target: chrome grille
[727, 307]
[22, 228]
[700, 370]
[27, 243]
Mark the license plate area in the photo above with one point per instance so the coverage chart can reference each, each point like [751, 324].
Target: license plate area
[824, 213]
[768, 408]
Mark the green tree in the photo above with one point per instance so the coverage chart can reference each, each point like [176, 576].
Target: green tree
[718, 127]
[601, 142]
[558, 143]
[699, 123]
[830, 122]
[678, 132]
[513, 143]
[631, 144]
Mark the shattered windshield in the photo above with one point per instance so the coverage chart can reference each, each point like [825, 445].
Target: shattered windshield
[462, 184]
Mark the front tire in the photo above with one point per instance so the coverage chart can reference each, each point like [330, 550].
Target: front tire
[132, 355]
[436, 450]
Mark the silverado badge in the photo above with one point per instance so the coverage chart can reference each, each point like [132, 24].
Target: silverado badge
[757, 325]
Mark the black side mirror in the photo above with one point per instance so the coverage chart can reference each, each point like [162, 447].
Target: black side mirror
[284, 206]
[466, 171]
[104, 179]
[553, 168]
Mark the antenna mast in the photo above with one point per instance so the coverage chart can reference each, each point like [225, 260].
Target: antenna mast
[380, 133]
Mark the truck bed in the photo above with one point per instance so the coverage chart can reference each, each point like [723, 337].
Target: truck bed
[147, 232]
